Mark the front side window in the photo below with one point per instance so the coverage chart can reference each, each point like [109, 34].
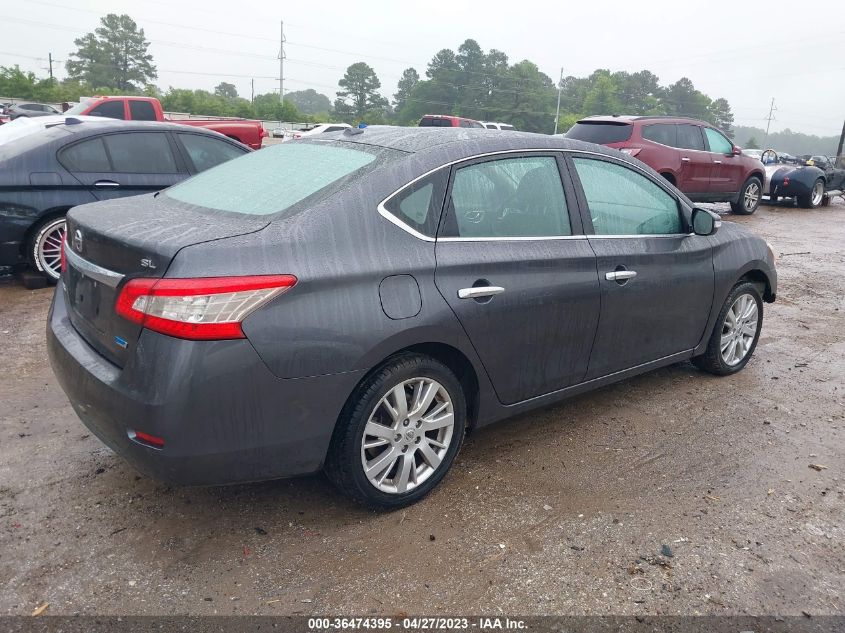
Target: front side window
[206, 152]
[276, 178]
[718, 143]
[689, 137]
[141, 153]
[512, 197]
[419, 204]
[624, 202]
[87, 156]
[110, 110]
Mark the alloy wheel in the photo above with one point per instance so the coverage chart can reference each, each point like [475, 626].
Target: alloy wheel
[752, 196]
[48, 250]
[818, 193]
[407, 435]
[739, 330]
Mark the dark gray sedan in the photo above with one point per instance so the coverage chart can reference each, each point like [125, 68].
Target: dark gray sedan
[50, 164]
[358, 301]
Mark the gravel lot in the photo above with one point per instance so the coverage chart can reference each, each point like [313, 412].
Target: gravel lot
[571, 510]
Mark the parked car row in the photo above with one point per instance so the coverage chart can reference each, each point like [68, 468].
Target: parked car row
[50, 164]
[356, 302]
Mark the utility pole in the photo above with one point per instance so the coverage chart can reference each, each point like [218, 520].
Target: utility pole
[50, 58]
[252, 90]
[559, 89]
[769, 119]
[282, 63]
[840, 159]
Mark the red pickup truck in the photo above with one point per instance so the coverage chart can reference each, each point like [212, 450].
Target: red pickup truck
[246, 131]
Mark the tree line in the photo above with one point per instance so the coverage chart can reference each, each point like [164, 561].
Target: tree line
[469, 82]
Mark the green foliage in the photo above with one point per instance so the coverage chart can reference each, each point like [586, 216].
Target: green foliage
[358, 98]
[752, 143]
[309, 101]
[410, 78]
[226, 90]
[114, 55]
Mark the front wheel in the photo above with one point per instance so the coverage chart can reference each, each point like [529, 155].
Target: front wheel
[399, 433]
[749, 197]
[735, 334]
[815, 197]
[45, 247]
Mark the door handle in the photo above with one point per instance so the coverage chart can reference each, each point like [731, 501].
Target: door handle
[620, 275]
[717, 162]
[106, 184]
[479, 291]
[685, 159]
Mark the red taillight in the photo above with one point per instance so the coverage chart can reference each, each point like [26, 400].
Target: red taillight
[204, 308]
[146, 438]
[63, 256]
[786, 181]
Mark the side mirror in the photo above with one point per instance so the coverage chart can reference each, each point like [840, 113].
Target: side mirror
[737, 150]
[704, 222]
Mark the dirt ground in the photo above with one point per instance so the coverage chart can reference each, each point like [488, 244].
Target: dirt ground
[574, 509]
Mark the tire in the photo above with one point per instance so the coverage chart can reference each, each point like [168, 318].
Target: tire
[714, 360]
[369, 409]
[44, 248]
[749, 197]
[813, 199]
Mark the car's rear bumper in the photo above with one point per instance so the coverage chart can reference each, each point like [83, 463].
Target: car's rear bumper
[223, 415]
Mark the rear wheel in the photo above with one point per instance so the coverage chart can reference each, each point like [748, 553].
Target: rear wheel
[735, 334]
[749, 197]
[399, 433]
[45, 247]
[815, 197]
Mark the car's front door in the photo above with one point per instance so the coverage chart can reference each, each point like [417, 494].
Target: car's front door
[656, 279]
[516, 269]
[728, 168]
[124, 164]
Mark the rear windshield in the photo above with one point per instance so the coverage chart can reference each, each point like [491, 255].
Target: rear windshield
[600, 132]
[24, 134]
[275, 178]
[80, 107]
[435, 122]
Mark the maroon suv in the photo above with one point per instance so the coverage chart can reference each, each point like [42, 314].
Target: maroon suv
[693, 155]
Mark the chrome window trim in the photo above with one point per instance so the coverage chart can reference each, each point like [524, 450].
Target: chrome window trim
[98, 273]
[387, 215]
[628, 237]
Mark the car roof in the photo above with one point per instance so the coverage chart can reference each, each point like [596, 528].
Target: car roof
[455, 143]
[629, 118]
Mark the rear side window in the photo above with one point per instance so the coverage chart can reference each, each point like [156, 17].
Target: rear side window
[334, 128]
[141, 153]
[276, 178]
[142, 111]
[419, 204]
[492, 126]
[87, 156]
[689, 137]
[206, 152]
[601, 132]
[505, 126]
[110, 110]
[624, 202]
[506, 198]
[663, 133]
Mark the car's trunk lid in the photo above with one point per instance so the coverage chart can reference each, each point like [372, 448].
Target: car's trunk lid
[111, 242]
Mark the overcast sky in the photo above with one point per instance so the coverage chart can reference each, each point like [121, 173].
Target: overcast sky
[747, 52]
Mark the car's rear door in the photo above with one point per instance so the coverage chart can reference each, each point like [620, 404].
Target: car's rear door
[125, 163]
[656, 279]
[516, 269]
[696, 163]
